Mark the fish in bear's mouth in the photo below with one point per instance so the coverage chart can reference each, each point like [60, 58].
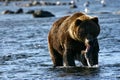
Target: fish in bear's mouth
[89, 49]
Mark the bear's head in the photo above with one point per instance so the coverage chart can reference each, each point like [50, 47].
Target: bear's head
[86, 29]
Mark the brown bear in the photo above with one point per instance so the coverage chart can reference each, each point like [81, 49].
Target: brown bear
[74, 38]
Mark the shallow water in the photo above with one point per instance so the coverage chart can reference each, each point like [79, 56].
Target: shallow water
[24, 52]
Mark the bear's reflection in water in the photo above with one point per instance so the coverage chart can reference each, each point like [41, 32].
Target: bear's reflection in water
[76, 71]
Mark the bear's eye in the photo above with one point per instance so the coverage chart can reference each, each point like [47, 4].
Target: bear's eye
[83, 34]
[82, 31]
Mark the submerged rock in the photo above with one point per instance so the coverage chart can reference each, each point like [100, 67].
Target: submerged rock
[8, 12]
[41, 13]
[19, 11]
[30, 12]
[34, 3]
[73, 6]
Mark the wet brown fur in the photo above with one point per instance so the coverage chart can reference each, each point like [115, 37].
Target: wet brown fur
[62, 45]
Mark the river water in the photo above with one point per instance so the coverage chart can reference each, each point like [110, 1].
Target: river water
[24, 51]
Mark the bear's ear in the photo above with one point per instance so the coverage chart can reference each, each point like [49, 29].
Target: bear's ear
[95, 19]
[78, 22]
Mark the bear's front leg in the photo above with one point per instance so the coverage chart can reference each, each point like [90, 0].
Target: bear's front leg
[68, 58]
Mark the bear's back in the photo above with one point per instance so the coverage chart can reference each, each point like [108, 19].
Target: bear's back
[57, 24]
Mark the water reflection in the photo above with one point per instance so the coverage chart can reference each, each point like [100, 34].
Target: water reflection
[75, 71]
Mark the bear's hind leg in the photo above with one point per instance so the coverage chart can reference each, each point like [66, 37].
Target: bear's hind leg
[56, 57]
